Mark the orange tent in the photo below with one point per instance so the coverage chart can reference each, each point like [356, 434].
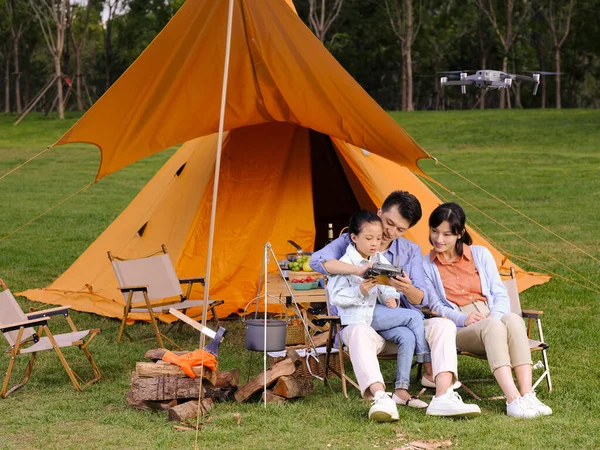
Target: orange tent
[291, 161]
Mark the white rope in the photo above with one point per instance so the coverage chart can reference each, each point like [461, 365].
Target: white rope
[213, 210]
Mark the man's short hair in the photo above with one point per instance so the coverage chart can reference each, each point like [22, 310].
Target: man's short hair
[408, 205]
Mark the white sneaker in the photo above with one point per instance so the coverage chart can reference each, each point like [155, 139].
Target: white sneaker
[544, 410]
[520, 407]
[383, 408]
[430, 384]
[450, 404]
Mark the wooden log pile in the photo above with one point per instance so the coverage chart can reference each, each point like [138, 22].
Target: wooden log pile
[283, 382]
[162, 386]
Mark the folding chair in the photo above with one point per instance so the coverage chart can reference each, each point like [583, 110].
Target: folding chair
[151, 278]
[18, 329]
[534, 345]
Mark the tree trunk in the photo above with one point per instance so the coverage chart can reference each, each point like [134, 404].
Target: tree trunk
[557, 62]
[483, 91]
[7, 84]
[18, 104]
[78, 79]
[59, 87]
[409, 40]
[403, 78]
[108, 55]
[504, 92]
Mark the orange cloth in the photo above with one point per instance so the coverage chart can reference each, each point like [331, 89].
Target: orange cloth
[460, 278]
[189, 360]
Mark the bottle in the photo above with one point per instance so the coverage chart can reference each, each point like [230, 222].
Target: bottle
[329, 233]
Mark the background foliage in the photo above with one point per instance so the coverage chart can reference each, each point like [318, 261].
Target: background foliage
[451, 35]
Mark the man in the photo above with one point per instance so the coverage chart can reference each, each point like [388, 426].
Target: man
[400, 211]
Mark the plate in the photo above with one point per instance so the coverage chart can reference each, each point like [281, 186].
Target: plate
[305, 286]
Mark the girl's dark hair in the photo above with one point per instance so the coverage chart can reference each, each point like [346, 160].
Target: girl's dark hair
[359, 218]
[455, 216]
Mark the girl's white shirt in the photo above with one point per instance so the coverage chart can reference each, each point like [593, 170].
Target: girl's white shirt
[344, 291]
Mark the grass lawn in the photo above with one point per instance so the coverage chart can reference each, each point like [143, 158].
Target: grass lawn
[545, 163]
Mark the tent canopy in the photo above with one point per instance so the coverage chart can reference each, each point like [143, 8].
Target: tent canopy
[279, 72]
[291, 161]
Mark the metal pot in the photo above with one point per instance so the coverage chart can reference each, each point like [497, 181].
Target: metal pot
[292, 257]
[255, 335]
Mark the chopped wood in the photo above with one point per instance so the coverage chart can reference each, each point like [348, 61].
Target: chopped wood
[164, 387]
[149, 405]
[272, 398]
[228, 379]
[189, 410]
[292, 387]
[286, 366]
[148, 369]
[156, 354]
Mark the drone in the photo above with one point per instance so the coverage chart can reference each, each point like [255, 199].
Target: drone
[489, 80]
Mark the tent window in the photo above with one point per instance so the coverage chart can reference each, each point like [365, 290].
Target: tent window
[142, 230]
[180, 170]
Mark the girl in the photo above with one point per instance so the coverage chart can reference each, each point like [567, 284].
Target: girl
[463, 285]
[355, 299]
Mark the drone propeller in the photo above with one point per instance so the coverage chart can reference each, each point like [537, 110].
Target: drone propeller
[542, 72]
[456, 71]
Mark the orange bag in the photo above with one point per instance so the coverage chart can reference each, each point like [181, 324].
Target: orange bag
[196, 358]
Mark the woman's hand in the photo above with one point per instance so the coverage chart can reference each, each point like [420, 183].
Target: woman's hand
[391, 302]
[367, 285]
[474, 317]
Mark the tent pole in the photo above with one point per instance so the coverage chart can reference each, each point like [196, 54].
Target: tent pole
[217, 169]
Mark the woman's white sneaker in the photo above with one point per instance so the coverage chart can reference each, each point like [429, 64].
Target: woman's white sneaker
[383, 408]
[450, 404]
[544, 410]
[520, 407]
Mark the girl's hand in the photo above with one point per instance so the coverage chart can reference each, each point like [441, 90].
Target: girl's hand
[474, 317]
[367, 285]
[391, 302]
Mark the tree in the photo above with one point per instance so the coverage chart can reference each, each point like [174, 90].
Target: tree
[560, 25]
[78, 31]
[507, 35]
[52, 17]
[320, 19]
[17, 23]
[5, 51]
[111, 7]
[401, 16]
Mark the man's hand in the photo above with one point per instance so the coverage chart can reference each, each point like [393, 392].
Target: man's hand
[391, 302]
[361, 270]
[367, 285]
[474, 317]
[401, 284]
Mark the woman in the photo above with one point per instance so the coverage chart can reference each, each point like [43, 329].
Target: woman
[463, 285]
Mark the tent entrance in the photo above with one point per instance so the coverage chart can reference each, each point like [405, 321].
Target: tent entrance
[334, 201]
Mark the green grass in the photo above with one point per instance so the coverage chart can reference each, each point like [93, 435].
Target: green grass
[544, 163]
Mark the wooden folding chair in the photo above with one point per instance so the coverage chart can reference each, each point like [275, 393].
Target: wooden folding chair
[534, 345]
[19, 330]
[152, 282]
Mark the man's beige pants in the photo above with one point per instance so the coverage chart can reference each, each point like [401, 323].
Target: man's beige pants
[364, 344]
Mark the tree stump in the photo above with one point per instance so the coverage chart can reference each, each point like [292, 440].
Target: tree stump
[292, 387]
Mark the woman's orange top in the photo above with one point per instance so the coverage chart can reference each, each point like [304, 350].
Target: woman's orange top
[460, 278]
